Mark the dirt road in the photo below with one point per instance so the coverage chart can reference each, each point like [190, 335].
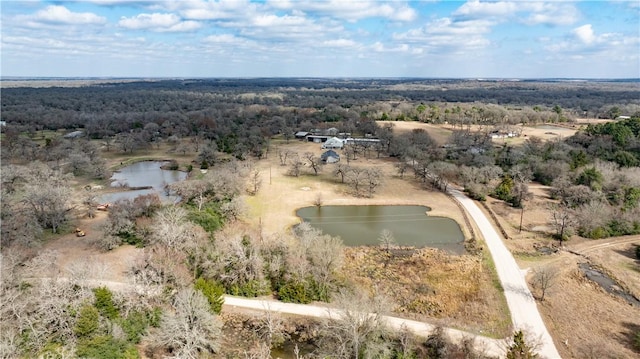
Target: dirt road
[492, 347]
[522, 305]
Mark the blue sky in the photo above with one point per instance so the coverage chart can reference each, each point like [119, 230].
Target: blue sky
[333, 38]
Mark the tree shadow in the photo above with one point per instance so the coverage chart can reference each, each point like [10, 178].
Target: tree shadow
[630, 336]
[629, 252]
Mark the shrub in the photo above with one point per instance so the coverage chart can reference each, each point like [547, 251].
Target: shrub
[88, 322]
[294, 292]
[213, 291]
[252, 288]
[135, 326]
[104, 302]
[105, 347]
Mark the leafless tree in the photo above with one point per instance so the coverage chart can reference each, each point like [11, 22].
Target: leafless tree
[270, 328]
[356, 179]
[373, 177]
[562, 220]
[196, 190]
[295, 165]
[341, 170]
[255, 182]
[386, 239]
[283, 155]
[543, 280]
[191, 330]
[314, 162]
[172, 229]
[357, 329]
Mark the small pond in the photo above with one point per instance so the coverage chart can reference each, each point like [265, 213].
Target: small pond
[147, 174]
[410, 225]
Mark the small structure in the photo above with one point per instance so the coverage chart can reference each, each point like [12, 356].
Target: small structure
[330, 157]
[333, 142]
[74, 134]
[317, 138]
[301, 134]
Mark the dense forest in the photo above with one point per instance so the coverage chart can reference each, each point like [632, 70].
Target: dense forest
[228, 123]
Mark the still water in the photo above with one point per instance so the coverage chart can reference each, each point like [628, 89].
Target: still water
[143, 174]
[410, 225]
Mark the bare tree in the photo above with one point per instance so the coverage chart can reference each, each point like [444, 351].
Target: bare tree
[314, 162]
[543, 280]
[341, 170]
[283, 155]
[172, 229]
[255, 182]
[386, 240]
[356, 179]
[295, 165]
[191, 329]
[357, 329]
[562, 220]
[373, 178]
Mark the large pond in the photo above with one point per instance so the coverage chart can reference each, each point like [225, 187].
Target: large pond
[143, 174]
[410, 225]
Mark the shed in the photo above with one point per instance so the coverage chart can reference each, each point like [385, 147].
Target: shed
[330, 157]
[301, 134]
[333, 142]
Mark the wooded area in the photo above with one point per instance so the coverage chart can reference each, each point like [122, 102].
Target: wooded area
[200, 249]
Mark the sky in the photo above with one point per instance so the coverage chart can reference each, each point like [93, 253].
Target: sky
[331, 38]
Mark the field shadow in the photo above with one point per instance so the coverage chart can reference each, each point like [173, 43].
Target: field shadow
[629, 252]
[630, 336]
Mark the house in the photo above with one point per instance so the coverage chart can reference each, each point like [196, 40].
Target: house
[301, 134]
[332, 131]
[333, 142]
[330, 157]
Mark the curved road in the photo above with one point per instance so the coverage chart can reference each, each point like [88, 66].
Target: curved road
[522, 305]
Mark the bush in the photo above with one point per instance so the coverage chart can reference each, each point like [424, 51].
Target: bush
[208, 218]
[294, 292]
[135, 326]
[105, 347]
[252, 288]
[88, 322]
[104, 302]
[213, 291]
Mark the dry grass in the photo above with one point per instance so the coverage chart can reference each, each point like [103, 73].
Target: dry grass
[430, 285]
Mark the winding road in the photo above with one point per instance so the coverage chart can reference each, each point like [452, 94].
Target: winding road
[522, 305]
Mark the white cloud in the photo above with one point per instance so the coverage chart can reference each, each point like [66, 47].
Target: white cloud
[158, 22]
[477, 8]
[340, 43]
[447, 33]
[585, 34]
[351, 10]
[56, 14]
[529, 12]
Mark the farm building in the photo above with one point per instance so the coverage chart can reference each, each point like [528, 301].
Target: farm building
[333, 142]
[330, 157]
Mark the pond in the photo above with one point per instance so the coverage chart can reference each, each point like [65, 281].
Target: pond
[410, 225]
[146, 174]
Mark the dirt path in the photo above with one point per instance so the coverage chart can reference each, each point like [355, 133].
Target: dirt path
[522, 305]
